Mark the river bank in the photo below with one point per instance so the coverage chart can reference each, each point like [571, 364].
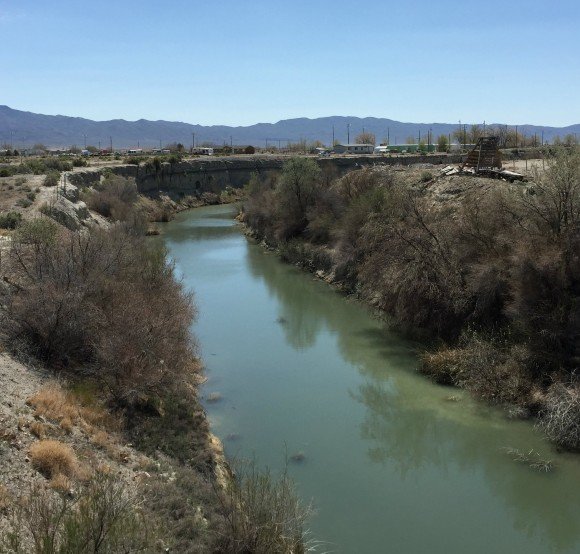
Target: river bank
[304, 380]
[100, 400]
[449, 258]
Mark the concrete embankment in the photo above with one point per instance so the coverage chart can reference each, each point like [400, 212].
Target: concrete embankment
[194, 177]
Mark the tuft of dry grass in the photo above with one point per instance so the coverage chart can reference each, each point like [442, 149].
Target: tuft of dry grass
[64, 407]
[61, 483]
[442, 365]
[38, 429]
[560, 418]
[52, 457]
[5, 498]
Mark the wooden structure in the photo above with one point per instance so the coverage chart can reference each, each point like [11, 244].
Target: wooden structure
[484, 156]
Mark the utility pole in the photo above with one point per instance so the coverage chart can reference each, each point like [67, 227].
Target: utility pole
[348, 133]
[111, 141]
[332, 145]
[192, 141]
[388, 136]
[516, 136]
[85, 136]
[231, 144]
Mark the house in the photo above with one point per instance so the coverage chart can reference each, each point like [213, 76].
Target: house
[354, 148]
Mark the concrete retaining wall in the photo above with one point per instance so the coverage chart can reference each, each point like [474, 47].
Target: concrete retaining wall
[214, 175]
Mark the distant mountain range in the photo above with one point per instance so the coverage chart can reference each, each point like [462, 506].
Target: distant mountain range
[22, 128]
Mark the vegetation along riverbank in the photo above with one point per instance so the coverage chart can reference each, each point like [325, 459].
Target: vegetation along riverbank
[488, 270]
[104, 445]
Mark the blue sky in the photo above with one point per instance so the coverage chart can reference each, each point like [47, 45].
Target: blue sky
[237, 63]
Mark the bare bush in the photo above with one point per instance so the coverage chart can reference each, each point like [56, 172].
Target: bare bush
[113, 198]
[561, 417]
[106, 300]
[103, 517]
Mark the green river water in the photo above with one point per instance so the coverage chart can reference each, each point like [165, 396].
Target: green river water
[392, 463]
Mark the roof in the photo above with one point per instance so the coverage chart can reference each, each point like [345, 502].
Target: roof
[355, 144]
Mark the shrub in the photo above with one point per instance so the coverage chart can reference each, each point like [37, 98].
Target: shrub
[10, 220]
[79, 162]
[265, 514]
[105, 297]
[104, 517]
[52, 179]
[24, 202]
[114, 198]
[52, 457]
[132, 160]
[7, 171]
[443, 365]
[561, 417]
[296, 192]
[490, 368]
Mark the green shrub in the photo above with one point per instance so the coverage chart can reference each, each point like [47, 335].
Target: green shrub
[24, 202]
[80, 162]
[7, 171]
[52, 178]
[10, 220]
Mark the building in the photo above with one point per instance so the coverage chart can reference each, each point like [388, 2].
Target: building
[353, 148]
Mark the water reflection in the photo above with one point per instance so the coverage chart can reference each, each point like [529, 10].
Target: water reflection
[413, 426]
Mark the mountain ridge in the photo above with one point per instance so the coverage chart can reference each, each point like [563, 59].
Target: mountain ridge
[24, 128]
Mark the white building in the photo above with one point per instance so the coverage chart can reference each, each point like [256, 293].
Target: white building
[354, 148]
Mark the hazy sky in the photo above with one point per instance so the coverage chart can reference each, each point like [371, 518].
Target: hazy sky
[240, 62]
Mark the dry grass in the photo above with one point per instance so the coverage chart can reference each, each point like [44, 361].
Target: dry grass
[5, 498]
[38, 429]
[64, 407]
[561, 416]
[442, 365]
[53, 458]
[61, 483]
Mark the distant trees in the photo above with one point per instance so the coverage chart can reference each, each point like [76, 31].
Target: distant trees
[366, 138]
[569, 140]
[442, 143]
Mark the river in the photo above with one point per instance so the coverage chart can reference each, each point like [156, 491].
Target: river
[391, 462]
